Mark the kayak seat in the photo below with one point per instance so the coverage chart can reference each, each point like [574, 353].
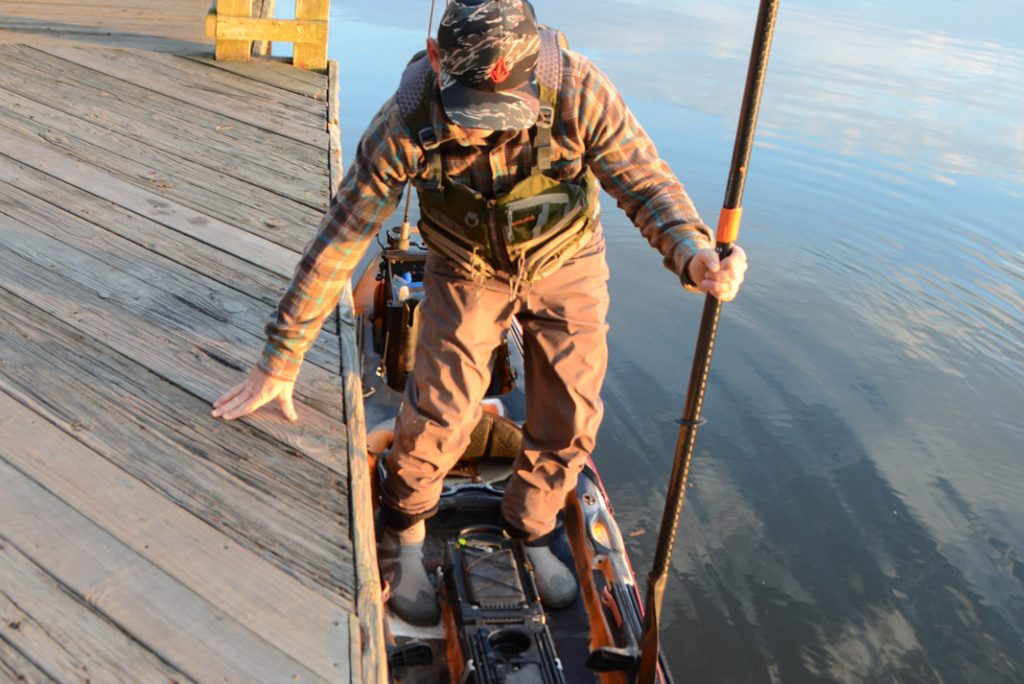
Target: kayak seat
[494, 437]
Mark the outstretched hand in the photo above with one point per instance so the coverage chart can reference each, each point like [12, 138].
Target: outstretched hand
[257, 390]
[721, 279]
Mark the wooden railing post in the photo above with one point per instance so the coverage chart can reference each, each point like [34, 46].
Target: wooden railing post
[311, 55]
[262, 9]
[232, 25]
[233, 50]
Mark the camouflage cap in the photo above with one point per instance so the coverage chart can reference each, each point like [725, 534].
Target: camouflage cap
[489, 52]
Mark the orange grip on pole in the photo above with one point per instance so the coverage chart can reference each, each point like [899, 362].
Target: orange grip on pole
[729, 225]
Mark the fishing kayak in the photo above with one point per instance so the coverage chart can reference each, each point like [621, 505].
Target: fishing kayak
[493, 627]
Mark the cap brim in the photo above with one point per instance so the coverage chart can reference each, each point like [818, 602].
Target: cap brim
[508, 110]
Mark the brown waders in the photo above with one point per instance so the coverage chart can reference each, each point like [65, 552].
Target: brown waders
[462, 321]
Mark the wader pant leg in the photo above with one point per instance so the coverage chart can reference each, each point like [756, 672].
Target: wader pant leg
[461, 323]
[565, 335]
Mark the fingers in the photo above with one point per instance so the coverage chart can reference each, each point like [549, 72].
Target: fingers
[257, 390]
[710, 259]
[242, 405]
[288, 406]
[229, 395]
[724, 282]
[704, 261]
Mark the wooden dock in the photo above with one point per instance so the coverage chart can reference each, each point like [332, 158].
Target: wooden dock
[153, 203]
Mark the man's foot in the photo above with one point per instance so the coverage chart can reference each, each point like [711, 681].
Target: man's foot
[413, 597]
[555, 581]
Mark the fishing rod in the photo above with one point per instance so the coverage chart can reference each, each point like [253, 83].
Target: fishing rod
[728, 231]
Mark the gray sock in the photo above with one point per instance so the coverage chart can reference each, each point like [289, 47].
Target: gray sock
[555, 581]
[413, 597]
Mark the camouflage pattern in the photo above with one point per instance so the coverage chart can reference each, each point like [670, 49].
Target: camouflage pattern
[489, 52]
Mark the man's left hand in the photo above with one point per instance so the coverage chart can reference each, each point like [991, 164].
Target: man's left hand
[719, 278]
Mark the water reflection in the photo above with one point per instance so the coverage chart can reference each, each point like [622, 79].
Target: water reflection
[855, 510]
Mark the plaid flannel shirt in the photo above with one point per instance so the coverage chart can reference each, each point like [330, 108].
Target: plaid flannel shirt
[593, 127]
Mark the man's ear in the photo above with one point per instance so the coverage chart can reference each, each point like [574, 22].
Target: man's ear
[434, 54]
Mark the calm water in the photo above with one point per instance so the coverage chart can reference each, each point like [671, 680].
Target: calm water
[855, 511]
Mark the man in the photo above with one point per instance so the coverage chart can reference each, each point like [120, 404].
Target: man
[502, 131]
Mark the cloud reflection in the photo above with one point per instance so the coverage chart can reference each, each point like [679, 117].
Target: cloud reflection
[951, 105]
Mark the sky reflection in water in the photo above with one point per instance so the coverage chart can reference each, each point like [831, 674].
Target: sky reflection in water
[855, 511]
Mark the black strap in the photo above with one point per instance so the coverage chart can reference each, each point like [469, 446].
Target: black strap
[542, 140]
[428, 139]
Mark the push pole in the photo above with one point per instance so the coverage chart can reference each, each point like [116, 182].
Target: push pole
[728, 231]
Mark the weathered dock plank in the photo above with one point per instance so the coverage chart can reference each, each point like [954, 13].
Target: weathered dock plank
[231, 189]
[229, 269]
[152, 25]
[152, 208]
[272, 72]
[180, 544]
[147, 161]
[372, 667]
[168, 618]
[147, 202]
[182, 181]
[15, 667]
[53, 626]
[194, 350]
[135, 81]
[149, 117]
[267, 496]
[106, 263]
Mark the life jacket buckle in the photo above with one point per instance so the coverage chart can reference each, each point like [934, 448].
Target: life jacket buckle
[546, 116]
[428, 138]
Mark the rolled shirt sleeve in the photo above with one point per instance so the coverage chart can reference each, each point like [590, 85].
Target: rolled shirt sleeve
[625, 161]
[366, 198]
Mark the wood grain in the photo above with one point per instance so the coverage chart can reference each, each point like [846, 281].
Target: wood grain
[160, 289]
[164, 68]
[15, 667]
[187, 252]
[48, 624]
[183, 180]
[276, 72]
[233, 50]
[268, 495]
[239, 153]
[168, 213]
[127, 314]
[333, 129]
[182, 629]
[369, 605]
[311, 55]
[154, 25]
[263, 9]
[270, 117]
[269, 602]
[152, 208]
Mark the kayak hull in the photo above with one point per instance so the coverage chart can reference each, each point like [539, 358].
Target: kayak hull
[596, 637]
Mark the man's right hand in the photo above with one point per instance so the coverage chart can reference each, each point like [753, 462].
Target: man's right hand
[257, 390]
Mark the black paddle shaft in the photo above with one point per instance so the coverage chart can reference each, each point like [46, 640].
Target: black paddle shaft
[728, 229]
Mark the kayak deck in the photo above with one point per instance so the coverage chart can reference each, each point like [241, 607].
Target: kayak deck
[596, 637]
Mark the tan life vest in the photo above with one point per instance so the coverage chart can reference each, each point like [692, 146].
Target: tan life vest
[528, 232]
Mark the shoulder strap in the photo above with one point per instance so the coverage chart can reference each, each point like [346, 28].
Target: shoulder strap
[549, 81]
[413, 98]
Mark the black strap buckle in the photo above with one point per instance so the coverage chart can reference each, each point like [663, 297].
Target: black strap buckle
[428, 138]
[546, 116]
